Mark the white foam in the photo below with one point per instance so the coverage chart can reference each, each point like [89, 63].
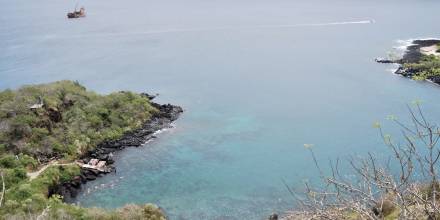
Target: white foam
[171, 126]
[163, 130]
[404, 44]
[393, 68]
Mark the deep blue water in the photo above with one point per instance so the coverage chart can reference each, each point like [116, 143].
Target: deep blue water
[256, 79]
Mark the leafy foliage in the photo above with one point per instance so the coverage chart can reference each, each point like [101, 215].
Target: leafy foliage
[71, 121]
[23, 196]
[60, 120]
[427, 68]
[56, 209]
[404, 186]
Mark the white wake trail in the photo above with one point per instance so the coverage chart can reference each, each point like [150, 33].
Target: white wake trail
[317, 24]
[183, 30]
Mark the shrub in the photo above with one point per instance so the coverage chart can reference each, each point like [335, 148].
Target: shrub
[23, 192]
[28, 136]
[148, 211]
[406, 186]
[9, 161]
[426, 68]
[27, 161]
[2, 148]
[14, 176]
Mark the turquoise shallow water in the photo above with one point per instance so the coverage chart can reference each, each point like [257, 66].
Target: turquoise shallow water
[255, 80]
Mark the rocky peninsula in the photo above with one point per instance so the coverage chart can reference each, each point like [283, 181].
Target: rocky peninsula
[104, 150]
[421, 61]
[55, 137]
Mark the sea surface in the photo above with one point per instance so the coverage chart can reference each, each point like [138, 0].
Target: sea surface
[257, 79]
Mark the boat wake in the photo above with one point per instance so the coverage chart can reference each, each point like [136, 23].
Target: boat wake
[183, 30]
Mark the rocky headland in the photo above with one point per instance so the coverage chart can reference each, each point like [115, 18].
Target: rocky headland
[104, 150]
[420, 61]
[55, 137]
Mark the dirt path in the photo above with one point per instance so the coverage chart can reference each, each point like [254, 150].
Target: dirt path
[33, 175]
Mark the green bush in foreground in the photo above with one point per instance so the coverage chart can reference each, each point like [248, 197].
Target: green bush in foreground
[55, 209]
[66, 121]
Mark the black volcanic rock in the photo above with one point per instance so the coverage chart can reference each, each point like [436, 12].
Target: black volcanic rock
[162, 119]
[412, 55]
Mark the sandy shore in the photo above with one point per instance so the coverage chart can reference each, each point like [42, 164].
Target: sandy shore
[431, 50]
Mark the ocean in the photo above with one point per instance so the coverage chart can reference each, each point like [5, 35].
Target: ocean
[257, 79]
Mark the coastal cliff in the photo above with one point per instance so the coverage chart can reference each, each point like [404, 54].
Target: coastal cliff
[55, 137]
[104, 150]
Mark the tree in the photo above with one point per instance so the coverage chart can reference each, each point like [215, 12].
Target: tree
[406, 187]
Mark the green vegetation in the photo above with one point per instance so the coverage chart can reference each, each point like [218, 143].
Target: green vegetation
[72, 120]
[427, 68]
[56, 209]
[25, 196]
[61, 121]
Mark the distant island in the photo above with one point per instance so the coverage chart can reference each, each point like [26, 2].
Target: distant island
[421, 61]
[55, 137]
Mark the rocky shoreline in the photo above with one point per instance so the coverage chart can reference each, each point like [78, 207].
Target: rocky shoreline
[413, 54]
[104, 151]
